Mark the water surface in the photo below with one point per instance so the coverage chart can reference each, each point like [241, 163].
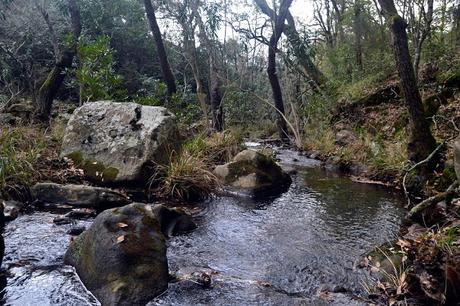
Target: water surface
[277, 251]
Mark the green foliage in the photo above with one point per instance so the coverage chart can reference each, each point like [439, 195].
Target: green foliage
[184, 106]
[95, 73]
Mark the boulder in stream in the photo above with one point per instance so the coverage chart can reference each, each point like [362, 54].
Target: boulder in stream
[78, 195]
[254, 172]
[173, 221]
[121, 258]
[117, 142]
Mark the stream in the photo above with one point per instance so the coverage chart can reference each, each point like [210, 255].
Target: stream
[275, 251]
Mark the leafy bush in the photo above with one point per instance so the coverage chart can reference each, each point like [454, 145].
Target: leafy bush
[95, 74]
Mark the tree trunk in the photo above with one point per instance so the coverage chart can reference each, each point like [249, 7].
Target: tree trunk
[216, 98]
[162, 57]
[294, 40]
[53, 82]
[357, 29]
[421, 141]
[276, 88]
[278, 29]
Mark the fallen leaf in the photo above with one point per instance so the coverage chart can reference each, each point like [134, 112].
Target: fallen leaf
[121, 239]
[122, 225]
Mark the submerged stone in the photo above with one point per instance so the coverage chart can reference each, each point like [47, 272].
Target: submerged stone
[121, 258]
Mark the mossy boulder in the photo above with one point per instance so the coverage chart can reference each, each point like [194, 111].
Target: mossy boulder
[121, 258]
[78, 195]
[254, 172]
[118, 142]
[173, 221]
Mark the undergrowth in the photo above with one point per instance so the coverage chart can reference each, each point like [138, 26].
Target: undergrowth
[19, 151]
[188, 174]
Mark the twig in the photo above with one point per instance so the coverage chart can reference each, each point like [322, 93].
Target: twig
[433, 200]
[418, 164]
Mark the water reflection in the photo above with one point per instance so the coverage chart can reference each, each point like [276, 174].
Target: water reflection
[276, 251]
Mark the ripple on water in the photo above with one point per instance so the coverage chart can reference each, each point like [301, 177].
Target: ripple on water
[277, 251]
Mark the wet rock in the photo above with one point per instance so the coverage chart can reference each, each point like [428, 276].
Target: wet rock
[81, 213]
[358, 169]
[173, 221]
[254, 172]
[344, 137]
[76, 230]
[12, 209]
[333, 164]
[116, 142]
[121, 258]
[61, 220]
[78, 195]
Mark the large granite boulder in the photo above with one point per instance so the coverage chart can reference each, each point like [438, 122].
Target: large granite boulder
[121, 258]
[116, 142]
[78, 195]
[253, 172]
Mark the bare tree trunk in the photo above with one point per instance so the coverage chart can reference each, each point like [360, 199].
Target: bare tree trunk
[357, 29]
[300, 52]
[421, 141]
[162, 57]
[53, 82]
[276, 88]
[216, 98]
[278, 29]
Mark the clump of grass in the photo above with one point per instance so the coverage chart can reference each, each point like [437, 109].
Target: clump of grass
[321, 139]
[185, 177]
[19, 151]
[216, 148]
[393, 282]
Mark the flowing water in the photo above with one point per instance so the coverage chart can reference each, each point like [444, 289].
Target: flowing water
[276, 251]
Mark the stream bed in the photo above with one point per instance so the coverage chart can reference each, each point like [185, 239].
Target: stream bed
[275, 251]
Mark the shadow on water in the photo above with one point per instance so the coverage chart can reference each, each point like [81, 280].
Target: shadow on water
[275, 251]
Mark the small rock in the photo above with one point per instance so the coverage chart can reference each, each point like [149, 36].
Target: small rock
[76, 230]
[202, 278]
[344, 137]
[12, 209]
[81, 213]
[61, 220]
[78, 195]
